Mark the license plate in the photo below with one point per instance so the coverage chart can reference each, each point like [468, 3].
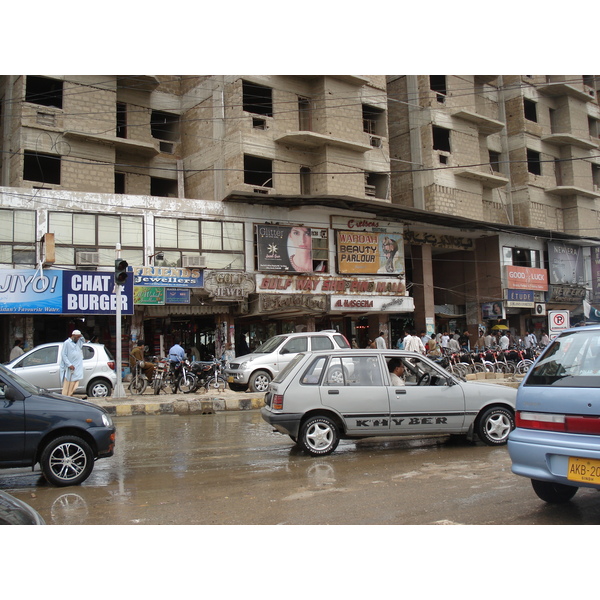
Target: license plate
[584, 469]
[230, 379]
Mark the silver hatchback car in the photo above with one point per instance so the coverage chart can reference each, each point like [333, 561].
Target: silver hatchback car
[322, 397]
[41, 366]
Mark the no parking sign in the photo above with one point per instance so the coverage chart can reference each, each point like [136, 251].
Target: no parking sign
[558, 320]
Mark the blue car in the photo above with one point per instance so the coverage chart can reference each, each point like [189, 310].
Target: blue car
[556, 442]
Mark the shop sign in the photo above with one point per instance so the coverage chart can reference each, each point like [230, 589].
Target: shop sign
[363, 252]
[361, 224]
[526, 278]
[175, 296]
[167, 277]
[566, 294]
[149, 296]
[371, 304]
[29, 291]
[566, 264]
[331, 285]
[227, 286]
[439, 241]
[520, 299]
[272, 303]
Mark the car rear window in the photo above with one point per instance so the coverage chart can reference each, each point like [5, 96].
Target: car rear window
[572, 360]
[283, 373]
[341, 341]
[320, 342]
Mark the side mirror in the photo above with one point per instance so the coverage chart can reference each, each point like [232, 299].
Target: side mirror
[11, 394]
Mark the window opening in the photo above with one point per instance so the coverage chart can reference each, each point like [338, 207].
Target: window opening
[530, 109]
[44, 90]
[44, 168]
[166, 188]
[441, 138]
[121, 120]
[164, 126]
[437, 83]
[534, 165]
[257, 99]
[495, 161]
[304, 114]
[258, 171]
[304, 180]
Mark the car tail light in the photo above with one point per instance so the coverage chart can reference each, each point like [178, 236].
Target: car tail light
[277, 401]
[557, 422]
[111, 365]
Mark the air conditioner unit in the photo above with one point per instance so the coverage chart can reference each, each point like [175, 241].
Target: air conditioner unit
[198, 262]
[87, 259]
[539, 309]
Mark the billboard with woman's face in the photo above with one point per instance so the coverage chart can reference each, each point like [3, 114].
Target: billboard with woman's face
[284, 249]
[365, 252]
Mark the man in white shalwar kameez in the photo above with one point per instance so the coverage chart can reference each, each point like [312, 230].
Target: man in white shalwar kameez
[71, 363]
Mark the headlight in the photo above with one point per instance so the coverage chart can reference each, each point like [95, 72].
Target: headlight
[106, 420]
[243, 366]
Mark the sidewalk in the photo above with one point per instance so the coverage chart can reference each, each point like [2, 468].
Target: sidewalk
[178, 404]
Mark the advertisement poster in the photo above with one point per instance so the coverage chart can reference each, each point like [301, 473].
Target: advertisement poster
[284, 249]
[566, 264]
[29, 291]
[493, 310]
[363, 252]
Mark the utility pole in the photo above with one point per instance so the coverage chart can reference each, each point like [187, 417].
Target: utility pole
[120, 278]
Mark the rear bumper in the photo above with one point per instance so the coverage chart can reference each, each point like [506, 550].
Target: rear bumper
[288, 423]
[545, 455]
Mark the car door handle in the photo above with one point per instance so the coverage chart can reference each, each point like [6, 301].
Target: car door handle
[333, 391]
[400, 391]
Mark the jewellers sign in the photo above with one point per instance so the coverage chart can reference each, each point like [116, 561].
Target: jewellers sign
[227, 286]
[167, 277]
[364, 304]
[277, 284]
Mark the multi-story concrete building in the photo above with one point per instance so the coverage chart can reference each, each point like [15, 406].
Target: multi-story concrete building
[191, 175]
[516, 158]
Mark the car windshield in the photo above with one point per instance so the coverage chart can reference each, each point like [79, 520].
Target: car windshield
[572, 360]
[270, 345]
[12, 376]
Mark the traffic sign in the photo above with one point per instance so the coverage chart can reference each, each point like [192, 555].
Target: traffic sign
[558, 320]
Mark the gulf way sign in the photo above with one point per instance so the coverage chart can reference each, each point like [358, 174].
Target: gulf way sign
[558, 320]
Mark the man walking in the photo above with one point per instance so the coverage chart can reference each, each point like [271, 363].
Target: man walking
[71, 363]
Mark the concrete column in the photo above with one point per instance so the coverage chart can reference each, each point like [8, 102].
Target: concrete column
[423, 285]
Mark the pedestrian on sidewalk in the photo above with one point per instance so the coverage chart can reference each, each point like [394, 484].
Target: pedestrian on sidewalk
[71, 362]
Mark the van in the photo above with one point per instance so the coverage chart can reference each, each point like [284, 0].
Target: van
[556, 442]
[256, 370]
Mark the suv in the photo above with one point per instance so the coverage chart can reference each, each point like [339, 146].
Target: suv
[41, 366]
[256, 370]
[556, 442]
[322, 397]
[65, 435]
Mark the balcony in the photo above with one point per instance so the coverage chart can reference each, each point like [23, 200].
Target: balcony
[571, 190]
[486, 125]
[146, 148]
[568, 139]
[487, 180]
[560, 88]
[309, 139]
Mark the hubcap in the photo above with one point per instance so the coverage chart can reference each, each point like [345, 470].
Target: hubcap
[498, 427]
[68, 461]
[319, 436]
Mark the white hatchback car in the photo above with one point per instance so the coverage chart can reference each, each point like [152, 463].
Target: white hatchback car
[322, 397]
[41, 366]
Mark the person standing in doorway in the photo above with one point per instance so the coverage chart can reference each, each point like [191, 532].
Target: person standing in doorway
[380, 341]
[71, 362]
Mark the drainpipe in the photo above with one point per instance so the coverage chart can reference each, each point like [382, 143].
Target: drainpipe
[505, 164]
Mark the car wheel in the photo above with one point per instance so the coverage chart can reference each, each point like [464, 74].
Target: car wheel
[553, 493]
[99, 388]
[138, 385]
[494, 425]
[319, 436]
[259, 382]
[67, 460]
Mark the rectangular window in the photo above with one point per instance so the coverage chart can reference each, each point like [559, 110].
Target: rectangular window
[165, 188]
[437, 83]
[441, 138]
[258, 171]
[530, 109]
[77, 232]
[522, 257]
[534, 165]
[121, 120]
[594, 127]
[221, 243]
[42, 168]
[257, 99]
[17, 236]
[304, 114]
[44, 90]
[376, 185]
[373, 120]
[495, 161]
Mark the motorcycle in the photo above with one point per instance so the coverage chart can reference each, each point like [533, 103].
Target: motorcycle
[209, 375]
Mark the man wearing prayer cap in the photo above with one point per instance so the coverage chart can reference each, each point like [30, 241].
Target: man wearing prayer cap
[71, 363]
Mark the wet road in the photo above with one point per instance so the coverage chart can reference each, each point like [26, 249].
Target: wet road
[230, 468]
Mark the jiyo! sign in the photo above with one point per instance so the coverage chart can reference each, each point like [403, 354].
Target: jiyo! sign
[526, 278]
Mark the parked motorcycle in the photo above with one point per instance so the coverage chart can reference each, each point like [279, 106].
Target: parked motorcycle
[209, 375]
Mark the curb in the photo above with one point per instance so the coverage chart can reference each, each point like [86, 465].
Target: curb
[178, 406]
